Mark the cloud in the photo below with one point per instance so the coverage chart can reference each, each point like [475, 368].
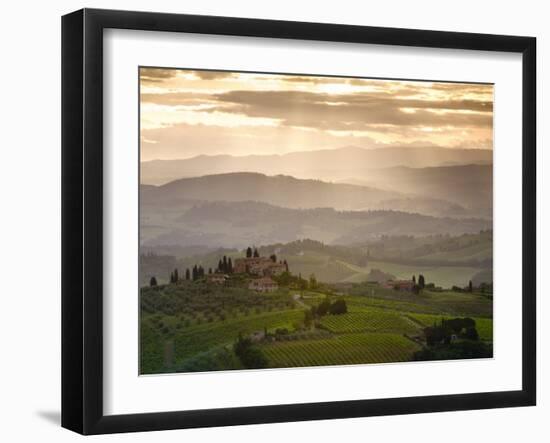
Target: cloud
[354, 111]
[336, 111]
[177, 98]
[156, 75]
[187, 140]
[188, 112]
[212, 75]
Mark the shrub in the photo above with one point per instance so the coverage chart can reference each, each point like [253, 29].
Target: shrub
[251, 357]
[338, 307]
[471, 334]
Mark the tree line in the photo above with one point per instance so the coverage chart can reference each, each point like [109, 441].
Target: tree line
[225, 265]
[252, 253]
[337, 307]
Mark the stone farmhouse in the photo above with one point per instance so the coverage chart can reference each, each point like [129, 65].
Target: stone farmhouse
[264, 284]
[258, 266]
[400, 285]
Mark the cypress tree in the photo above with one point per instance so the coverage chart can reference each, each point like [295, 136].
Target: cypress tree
[229, 266]
[421, 281]
[187, 274]
[153, 281]
[248, 252]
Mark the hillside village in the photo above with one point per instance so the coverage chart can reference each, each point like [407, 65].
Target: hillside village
[257, 270]
[263, 274]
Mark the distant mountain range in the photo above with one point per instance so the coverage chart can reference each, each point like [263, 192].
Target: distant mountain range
[329, 164]
[280, 190]
[470, 186]
[456, 191]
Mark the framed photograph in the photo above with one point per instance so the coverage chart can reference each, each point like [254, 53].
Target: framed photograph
[269, 221]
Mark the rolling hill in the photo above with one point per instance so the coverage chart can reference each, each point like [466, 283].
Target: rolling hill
[353, 263]
[328, 164]
[237, 224]
[465, 192]
[468, 186]
[277, 190]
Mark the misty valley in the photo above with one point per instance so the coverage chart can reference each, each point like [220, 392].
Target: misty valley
[312, 258]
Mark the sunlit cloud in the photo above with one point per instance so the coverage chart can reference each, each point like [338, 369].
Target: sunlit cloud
[273, 113]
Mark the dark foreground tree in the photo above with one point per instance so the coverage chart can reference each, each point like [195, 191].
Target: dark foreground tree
[471, 334]
[312, 282]
[323, 308]
[250, 356]
[153, 281]
[229, 266]
[459, 350]
[338, 307]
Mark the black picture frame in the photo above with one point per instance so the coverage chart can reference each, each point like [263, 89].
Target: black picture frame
[82, 218]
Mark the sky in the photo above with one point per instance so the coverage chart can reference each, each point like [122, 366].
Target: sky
[186, 113]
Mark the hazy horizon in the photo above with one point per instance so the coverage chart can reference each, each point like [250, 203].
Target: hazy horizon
[187, 113]
[277, 154]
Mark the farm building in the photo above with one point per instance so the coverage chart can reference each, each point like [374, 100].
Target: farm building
[264, 284]
[216, 278]
[399, 285]
[275, 269]
[259, 266]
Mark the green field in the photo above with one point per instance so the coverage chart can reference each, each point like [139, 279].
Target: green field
[444, 276]
[188, 341]
[192, 326]
[369, 321]
[341, 350]
[448, 303]
[331, 270]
